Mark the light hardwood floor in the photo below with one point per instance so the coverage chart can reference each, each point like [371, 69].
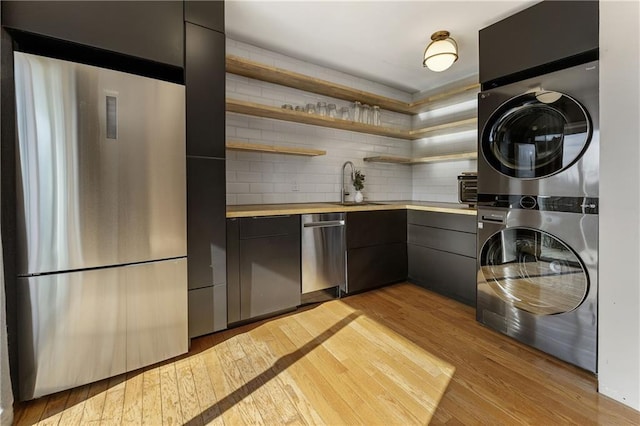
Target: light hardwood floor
[397, 355]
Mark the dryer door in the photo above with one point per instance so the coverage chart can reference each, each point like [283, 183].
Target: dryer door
[533, 271]
[536, 134]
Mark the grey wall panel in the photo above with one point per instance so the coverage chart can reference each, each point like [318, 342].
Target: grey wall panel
[462, 243]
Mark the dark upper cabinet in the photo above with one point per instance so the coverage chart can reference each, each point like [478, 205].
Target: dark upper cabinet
[205, 86]
[152, 30]
[547, 36]
[209, 14]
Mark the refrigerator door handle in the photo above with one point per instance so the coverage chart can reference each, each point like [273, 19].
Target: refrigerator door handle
[112, 116]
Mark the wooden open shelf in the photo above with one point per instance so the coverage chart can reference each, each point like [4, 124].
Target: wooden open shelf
[258, 110]
[422, 160]
[469, 124]
[274, 149]
[251, 69]
[250, 108]
[247, 68]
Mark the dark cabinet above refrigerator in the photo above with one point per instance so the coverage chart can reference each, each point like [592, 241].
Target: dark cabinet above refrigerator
[151, 30]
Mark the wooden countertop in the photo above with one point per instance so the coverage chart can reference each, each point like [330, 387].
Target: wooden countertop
[251, 210]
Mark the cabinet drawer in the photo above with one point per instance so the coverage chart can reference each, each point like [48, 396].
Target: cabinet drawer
[462, 243]
[269, 226]
[449, 274]
[455, 222]
[376, 227]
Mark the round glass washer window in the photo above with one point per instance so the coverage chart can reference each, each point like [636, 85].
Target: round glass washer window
[534, 271]
[536, 135]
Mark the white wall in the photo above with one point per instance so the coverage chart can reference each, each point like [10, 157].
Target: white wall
[619, 302]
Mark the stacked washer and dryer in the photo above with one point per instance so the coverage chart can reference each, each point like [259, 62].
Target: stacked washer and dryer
[538, 212]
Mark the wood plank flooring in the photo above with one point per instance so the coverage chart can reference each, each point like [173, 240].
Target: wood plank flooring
[398, 355]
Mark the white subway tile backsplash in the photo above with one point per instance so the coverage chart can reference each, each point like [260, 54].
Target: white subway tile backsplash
[261, 188]
[237, 188]
[249, 199]
[254, 178]
[248, 177]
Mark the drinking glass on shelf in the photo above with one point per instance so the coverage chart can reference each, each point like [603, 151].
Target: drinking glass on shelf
[357, 110]
[365, 118]
[311, 109]
[376, 121]
[344, 113]
[331, 110]
[322, 109]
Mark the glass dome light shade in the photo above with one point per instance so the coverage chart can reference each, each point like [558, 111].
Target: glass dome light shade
[441, 53]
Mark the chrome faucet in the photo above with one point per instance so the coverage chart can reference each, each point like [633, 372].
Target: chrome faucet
[343, 191]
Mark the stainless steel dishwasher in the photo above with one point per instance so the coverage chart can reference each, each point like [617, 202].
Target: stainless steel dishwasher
[323, 256]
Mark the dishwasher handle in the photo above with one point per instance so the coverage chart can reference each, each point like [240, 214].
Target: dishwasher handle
[325, 224]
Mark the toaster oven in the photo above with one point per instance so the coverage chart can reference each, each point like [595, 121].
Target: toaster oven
[468, 188]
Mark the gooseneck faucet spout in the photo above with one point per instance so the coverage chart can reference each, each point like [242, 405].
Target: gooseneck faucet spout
[343, 190]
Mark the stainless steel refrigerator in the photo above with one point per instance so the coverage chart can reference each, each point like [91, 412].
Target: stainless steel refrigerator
[101, 200]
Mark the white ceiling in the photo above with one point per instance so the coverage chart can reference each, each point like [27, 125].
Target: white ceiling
[381, 41]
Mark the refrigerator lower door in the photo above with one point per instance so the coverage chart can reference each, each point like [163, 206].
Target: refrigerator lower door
[80, 327]
[72, 329]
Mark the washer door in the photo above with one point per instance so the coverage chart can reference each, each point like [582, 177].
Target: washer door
[533, 271]
[536, 134]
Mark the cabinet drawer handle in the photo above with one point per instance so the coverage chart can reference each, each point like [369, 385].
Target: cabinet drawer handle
[326, 224]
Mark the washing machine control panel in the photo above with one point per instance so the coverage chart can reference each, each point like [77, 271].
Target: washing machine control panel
[584, 205]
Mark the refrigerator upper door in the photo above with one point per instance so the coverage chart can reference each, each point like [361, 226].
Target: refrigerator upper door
[101, 166]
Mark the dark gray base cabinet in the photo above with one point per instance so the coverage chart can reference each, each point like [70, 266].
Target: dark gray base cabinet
[263, 263]
[376, 249]
[446, 273]
[441, 252]
[375, 266]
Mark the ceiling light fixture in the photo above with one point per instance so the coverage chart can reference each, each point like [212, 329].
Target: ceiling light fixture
[441, 53]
